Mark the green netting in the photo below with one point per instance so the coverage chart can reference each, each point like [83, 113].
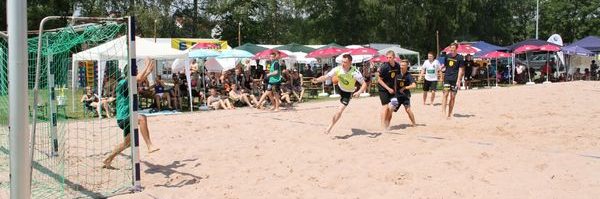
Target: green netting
[68, 156]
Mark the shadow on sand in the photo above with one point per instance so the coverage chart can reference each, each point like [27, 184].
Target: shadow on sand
[359, 132]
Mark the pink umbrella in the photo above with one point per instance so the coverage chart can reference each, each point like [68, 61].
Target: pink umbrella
[363, 51]
[326, 52]
[496, 55]
[526, 48]
[383, 58]
[205, 46]
[463, 49]
[266, 54]
[549, 48]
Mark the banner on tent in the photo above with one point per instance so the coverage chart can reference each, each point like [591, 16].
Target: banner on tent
[184, 43]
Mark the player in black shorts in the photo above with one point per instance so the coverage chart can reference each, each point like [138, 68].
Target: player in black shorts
[385, 79]
[344, 78]
[454, 73]
[402, 85]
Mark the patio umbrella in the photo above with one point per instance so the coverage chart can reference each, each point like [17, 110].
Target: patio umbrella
[363, 51]
[525, 49]
[496, 55]
[252, 48]
[326, 52]
[463, 49]
[266, 54]
[203, 53]
[548, 48]
[233, 53]
[205, 46]
[294, 47]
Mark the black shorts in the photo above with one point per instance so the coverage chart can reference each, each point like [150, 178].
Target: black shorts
[450, 85]
[403, 100]
[344, 96]
[385, 97]
[430, 86]
[124, 124]
[274, 87]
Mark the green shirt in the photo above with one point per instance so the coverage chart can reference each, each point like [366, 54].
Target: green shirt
[275, 78]
[122, 99]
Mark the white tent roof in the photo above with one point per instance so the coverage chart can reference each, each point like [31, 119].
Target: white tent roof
[117, 50]
[398, 50]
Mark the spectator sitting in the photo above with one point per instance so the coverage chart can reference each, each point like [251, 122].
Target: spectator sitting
[239, 98]
[215, 102]
[308, 72]
[90, 101]
[286, 88]
[577, 75]
[144, 91]
[159, 90]
[586, 74]
[175, 92]
[297, 84]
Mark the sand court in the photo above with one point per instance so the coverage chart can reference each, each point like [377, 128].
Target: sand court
[537, 141]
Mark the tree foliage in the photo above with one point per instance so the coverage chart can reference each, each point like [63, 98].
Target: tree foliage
[410, 23]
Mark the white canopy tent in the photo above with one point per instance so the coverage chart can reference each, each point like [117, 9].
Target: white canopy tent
[401, 51]
[117, 49]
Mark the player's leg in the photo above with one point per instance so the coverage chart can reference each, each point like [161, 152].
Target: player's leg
[118, 149]
[143, 126]
[336, 117]
[433, 88]
[451, 104]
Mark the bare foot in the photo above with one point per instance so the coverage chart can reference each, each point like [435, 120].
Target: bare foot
[106, 165]
[152, 149]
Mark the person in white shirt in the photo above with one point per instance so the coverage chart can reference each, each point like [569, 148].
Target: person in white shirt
[430, 69]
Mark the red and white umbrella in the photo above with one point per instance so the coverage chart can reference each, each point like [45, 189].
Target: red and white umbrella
[526, 48]
[266, 54]
[326, 52]
[363, 51]
[463, 49]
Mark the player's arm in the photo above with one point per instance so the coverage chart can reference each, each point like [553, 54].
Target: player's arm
[422, 73]
[324, 77]
[383, 84]
[411, 86]
[275, 70]
[149, 67]
[363, 84]
[301, 80]
[461, 72]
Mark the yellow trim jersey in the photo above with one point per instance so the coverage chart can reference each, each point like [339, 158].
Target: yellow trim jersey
[347, 79]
